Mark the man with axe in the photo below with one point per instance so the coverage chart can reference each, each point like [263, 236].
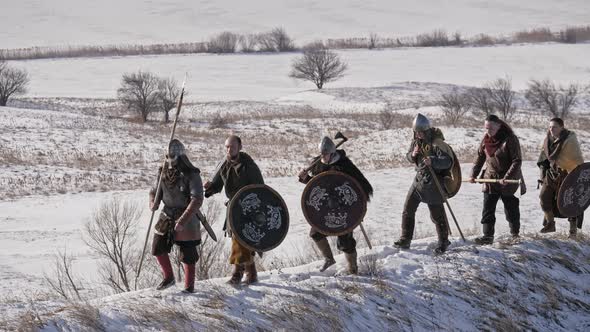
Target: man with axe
[432, 156]
[499, 151]
[181, 190]
[331, 159]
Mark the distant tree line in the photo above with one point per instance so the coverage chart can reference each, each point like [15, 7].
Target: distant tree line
[278, 40]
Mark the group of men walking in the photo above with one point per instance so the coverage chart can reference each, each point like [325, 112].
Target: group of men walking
[498, 160]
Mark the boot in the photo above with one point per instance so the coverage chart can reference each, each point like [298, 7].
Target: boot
[251, 274]
[352, 265]
[166, 266]
[488, 235]
[573, 228]
[237, 275]
[443, 239]
[549, 225]
[189, 278]
[324, 248]
[402, 243]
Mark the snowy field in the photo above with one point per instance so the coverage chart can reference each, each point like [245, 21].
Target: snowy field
[27, 23]
[265, 77]
[67, 147]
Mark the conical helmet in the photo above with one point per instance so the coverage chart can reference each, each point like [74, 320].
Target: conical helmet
[421, 123]
[327, 146]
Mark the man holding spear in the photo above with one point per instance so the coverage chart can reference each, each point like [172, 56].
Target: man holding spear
[500, 151]
[181, 190]
[434, 160]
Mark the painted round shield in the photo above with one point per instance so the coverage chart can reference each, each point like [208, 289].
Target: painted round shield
[334, 203]
[453, 183]
[574, 193]
[258, 217]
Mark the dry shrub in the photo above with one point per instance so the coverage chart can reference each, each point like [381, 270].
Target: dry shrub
[576, 34]
[219, 121]
[483, 40]
[166, 317]
[371, 265]
[225, 42]
[539, 35]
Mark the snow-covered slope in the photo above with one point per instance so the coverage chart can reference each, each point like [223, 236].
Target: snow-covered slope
[534, 283]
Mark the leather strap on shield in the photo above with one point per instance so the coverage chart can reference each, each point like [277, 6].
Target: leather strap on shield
[334, 203]
[258, 217]
[574, 193]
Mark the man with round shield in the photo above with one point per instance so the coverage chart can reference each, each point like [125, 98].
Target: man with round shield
[237, 171]
[331, 159]
[428, 148]
[559, 156]
[181, 190]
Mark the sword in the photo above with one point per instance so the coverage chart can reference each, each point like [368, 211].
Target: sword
[206, 225]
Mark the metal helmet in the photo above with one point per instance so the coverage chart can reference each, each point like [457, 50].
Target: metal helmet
[327, 146]
[176, 149]
[421, 123]
[175, 152]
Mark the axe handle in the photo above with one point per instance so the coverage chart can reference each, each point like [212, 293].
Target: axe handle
[366, 236]
[493, 181]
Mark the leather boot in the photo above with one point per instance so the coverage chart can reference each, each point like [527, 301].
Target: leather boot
[573, 228]
[189, 278]
[549, 226]
[352, 265]
[166, 267]
[402, 243]
[251, 274]
[237, 275]
[324, 248]
[488, 235]
[443, 238]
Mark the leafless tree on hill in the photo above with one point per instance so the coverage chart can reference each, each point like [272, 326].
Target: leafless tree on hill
[13, 81]
[318, 65]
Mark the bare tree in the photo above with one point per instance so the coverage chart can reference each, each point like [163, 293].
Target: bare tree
[111, 234]
[373, 39]
[502, 97]
[225, 42]
[168, 95]
[13, 81]
[556, 101]
[63, 281]
[282, 42]
[248, 43]
[454, 106]
[139, 93]
[481, 99]
[318, 65]
[276, 40]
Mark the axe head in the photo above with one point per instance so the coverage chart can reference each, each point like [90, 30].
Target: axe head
[341, 136]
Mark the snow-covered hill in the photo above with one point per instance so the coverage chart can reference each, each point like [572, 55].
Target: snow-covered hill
[536, 283]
